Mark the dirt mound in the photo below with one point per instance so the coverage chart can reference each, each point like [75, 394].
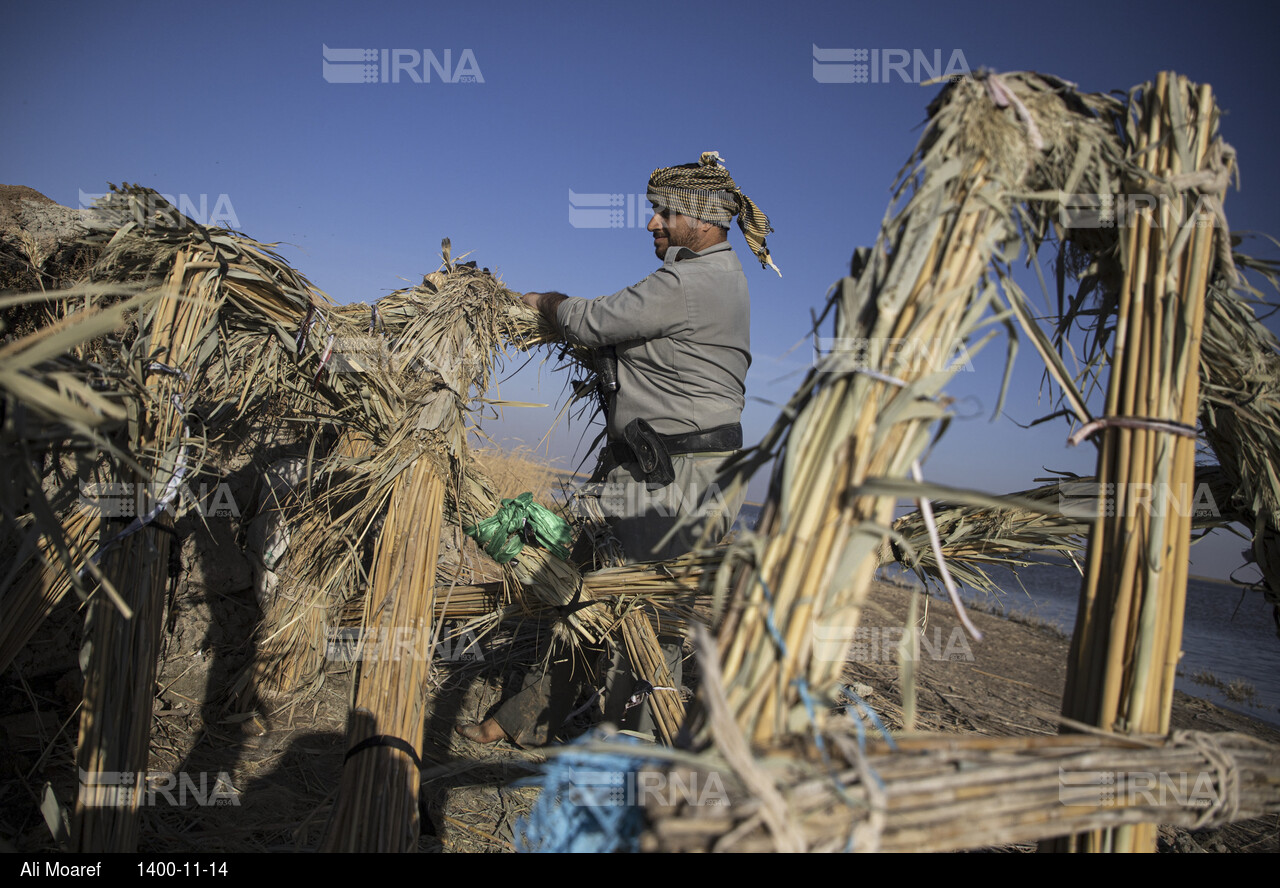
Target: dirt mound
[41, 244]
[24, 209]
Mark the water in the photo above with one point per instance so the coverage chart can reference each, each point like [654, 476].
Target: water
[1228, 632]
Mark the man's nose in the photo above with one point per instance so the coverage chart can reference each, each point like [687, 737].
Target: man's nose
[655, 223]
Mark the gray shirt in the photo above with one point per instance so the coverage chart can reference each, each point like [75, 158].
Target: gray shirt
[683, 341]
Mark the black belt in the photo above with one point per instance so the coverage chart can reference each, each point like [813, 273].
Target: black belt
[725, 437]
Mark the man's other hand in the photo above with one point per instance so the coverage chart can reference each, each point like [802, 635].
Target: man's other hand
[546, 303]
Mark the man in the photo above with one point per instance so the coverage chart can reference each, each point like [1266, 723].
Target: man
[681, 338]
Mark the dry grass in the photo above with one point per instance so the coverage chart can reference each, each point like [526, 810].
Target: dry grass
[513, 472]
[1237, 690]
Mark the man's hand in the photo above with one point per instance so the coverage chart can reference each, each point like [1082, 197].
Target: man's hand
[546, 303]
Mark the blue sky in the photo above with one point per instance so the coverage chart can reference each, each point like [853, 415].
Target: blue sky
[227, 106]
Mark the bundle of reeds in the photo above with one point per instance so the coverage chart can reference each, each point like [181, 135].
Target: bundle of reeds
[646, 657]
[122, 647]
[1128, 633]
[119, 684]
[377, 805]
[857, 423]
[673, 591]
[167, 359]
[945, 793]
[83, 382]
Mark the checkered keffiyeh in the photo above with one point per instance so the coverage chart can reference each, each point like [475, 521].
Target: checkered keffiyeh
[706, 191]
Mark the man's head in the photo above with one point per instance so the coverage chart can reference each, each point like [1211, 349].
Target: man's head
[672, 229]
[695, 202]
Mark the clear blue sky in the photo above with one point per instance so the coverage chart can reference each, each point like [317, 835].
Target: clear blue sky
[229, 104]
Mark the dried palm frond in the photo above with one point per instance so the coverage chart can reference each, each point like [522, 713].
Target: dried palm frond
[1240, 414]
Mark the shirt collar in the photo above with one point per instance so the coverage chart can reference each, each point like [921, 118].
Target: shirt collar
[675, 254]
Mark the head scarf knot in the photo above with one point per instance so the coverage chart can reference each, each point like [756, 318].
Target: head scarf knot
[706, 191]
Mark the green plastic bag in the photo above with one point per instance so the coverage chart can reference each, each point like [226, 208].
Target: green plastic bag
[518, 521]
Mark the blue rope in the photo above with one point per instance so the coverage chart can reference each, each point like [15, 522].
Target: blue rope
[865, 708]
[803, 687]
[587, 803]
[769, 622]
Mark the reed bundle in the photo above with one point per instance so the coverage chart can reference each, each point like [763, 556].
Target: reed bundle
[160, 357]
[943, 792]
[1128, 634]
[647, 660]
[82, 383]
[377, 805]
[411, 370]
[123, 643]
[671, 591]
[857, 427]
[115, 717]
